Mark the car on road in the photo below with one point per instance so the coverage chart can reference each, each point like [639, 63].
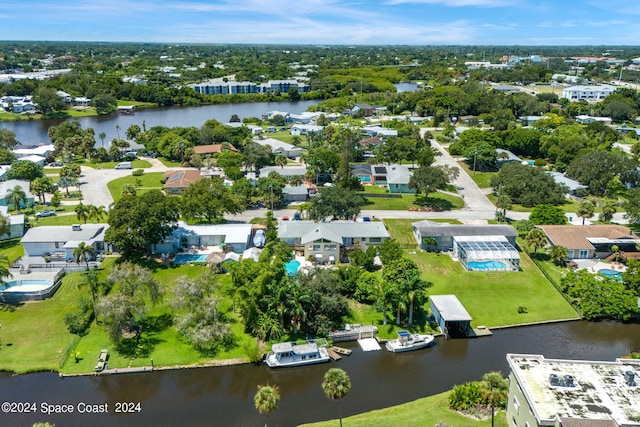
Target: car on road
[45, 213]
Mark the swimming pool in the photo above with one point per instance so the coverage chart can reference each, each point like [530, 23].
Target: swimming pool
[486, 265]
[18, 286]
[612, 274]
[292, 267]
[187, 258]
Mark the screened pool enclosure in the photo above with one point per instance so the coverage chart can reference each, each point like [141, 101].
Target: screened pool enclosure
[486, 253]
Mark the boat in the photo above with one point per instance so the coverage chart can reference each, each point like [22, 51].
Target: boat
[101, 363]
[407, 341]
[291, 354]
[341, 350]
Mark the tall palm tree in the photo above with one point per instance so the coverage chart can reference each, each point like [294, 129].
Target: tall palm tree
[83, 253]
[266, 399]
[82, 212]
[97, 212]
[92, 280]
[495, 390]
[281, 160]
[16, 196]
[536, 239]
[102, 136]
[336, 385]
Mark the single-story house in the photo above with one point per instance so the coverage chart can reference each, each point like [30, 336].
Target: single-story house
[370, 144]
[63, 239]
[505, 156]
[529, 120]
[286, 171]
[16, 224]
[178, 180]
[41, 150]
[376, 130]
[327, 241]
[213, 148]
[237, 237]
[591, 241]
[280, 147]
[585, 119]
[34, 158]
[450, 315]
[300, 129]
[444, 233]
[5, 186]
[295, 194]
[305, 117]
[365, 110]
[574, 186]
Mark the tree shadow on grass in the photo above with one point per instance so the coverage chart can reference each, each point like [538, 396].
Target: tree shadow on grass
[137, 347]
[154, 324]
[435, 203]
[10, 306]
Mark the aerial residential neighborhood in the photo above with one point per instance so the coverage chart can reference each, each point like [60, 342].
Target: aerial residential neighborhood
[186, 211]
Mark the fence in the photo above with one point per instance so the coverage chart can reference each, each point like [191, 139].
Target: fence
[67, 351]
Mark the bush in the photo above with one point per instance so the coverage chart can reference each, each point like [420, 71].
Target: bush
[137, 172]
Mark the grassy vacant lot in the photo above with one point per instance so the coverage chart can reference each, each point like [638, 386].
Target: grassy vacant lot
[136, 164]
[147, 182]
[407, 201]
[483, 179]
[427, 411]
[402, 231]
[493, 298]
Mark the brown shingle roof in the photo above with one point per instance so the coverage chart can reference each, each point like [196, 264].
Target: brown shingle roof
[575, 236]
[181, 178]
[212, 148]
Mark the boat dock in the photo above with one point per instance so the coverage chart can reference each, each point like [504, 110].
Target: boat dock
[332, 354]
[353, 333]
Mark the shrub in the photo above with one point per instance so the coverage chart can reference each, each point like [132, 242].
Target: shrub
[137, 172]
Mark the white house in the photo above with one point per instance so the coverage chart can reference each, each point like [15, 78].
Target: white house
[280, 147]
[40, 150]
[586, 119]
[63, 239]
[236, 237]
[287, 171]
[302, 129]
[588, 93]
[16, 227]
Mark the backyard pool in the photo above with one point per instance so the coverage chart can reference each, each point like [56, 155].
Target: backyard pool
[26, 285]
[486, 265]
[181, 259]
[292, 267]
[612, 274]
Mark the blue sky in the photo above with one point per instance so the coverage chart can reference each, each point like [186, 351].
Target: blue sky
[347, 22]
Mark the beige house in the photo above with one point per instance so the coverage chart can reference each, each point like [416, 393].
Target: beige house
[591, 241]
[330, 241]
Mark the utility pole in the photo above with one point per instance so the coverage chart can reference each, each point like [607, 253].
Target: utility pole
[271, 189]
[475, 156]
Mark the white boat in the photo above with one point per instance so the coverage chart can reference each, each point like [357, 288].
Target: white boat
[291, 354]
[407, 342]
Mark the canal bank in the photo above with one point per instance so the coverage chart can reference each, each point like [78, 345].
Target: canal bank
[224, 396]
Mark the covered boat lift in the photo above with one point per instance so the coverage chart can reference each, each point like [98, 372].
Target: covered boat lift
[451, 316]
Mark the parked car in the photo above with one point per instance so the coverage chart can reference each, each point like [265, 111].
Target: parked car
[285, 218]
[45, 213]
[296, 216]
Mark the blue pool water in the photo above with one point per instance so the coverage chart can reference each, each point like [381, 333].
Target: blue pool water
[26, 285]
[486, 265]
[292, 267]
[612, 274]
[187, 258]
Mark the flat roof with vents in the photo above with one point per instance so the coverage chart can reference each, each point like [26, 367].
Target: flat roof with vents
[579, 389]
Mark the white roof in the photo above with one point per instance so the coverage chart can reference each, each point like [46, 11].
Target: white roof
[65, 233]
[276, 145]
[234, 233]
[450, 308]
[33, 158]
[40, 150]
[11, 184]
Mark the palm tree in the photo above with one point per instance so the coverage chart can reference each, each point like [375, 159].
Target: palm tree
[66, 182]
[4, 267]
[102, 136]
[97, 212]
[608, 209]
[118, 130]
[94, 283]
[495, 390]
[336, 385]
[16, 196]
[266, 399]
[83, 253]
[585, 210]
[281, 160]
[82, 212]
[536, 239]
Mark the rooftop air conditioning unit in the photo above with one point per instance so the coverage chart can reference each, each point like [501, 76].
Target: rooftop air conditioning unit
[554, 380]
[629, 378]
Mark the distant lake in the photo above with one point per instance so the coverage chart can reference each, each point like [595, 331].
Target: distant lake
[35, 132]
[406, 87]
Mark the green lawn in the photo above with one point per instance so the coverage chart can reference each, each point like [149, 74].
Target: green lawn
[402, 231]
[493, 298]
[428, 411]
[441, 200]
[12, 249]
[482, 179]
[147, 181]
[136, 164]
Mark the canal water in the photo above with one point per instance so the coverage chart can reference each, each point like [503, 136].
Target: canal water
[34, 132]
[224, 396]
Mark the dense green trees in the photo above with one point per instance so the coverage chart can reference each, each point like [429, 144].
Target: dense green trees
[136, 222]
[528, 185]
[429, 179]
[25, 170]
[335, 202]
[208, 199]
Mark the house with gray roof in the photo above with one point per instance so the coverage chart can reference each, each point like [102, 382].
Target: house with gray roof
[293, 194]
[331, 241]
[16, 224]
[505, 156]
[444, 233]
[396, 177]
[280, 147]
[574, 186]
[63, 239]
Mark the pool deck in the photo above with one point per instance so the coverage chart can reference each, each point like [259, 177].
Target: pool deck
[614, 266]
[33, 275]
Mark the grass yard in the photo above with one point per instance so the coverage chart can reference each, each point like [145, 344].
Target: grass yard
[148, 181]
[493, 298]
[12, 249]
[401, 230]
[136, 164]
[428, 411]
[34, 336]
[443, 201]
[482, 179]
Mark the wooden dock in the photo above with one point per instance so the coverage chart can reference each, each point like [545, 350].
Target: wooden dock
[341, 350]
[332, 354]
[353, 333]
